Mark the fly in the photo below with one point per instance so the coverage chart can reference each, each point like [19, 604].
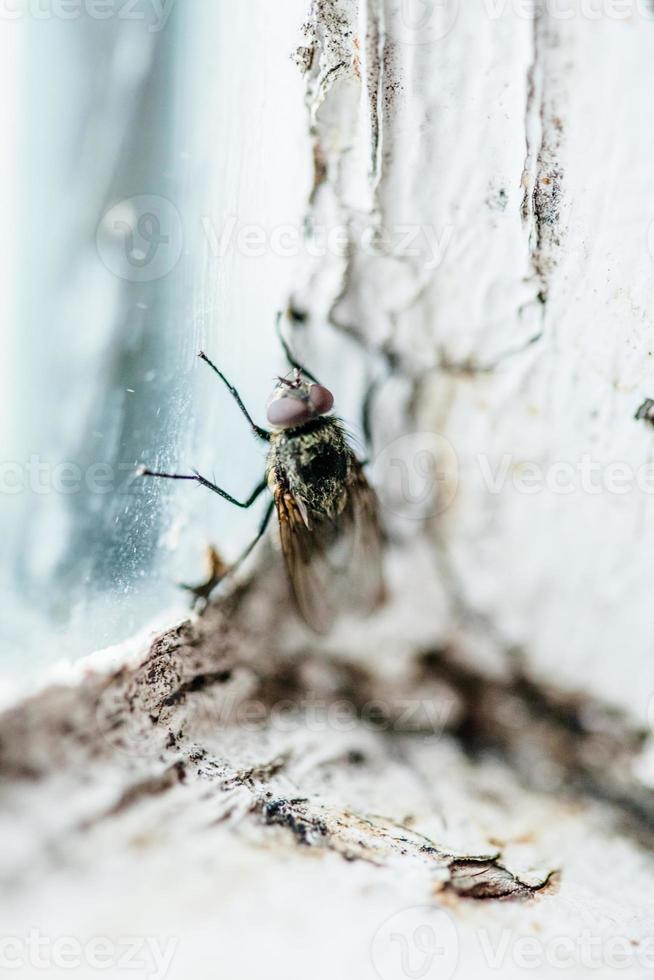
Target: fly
[327, 512]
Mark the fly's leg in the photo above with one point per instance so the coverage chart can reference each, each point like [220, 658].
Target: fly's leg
[219, 570]
[260, 533]
[260, 487]
[293, 362]
[366, 419]
[257, 430]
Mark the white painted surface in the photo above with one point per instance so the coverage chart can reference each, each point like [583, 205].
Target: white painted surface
[505, 139]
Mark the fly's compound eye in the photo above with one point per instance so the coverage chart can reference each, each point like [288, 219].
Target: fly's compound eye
[321, 399]
[284, 413]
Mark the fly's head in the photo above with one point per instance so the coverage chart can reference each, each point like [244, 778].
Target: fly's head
[296, 401]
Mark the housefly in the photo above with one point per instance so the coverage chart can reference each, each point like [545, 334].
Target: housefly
[327, 512]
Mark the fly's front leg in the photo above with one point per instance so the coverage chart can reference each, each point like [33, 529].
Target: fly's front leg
[257, 430]
[260, 487]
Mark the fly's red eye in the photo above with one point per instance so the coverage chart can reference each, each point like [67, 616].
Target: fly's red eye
[321, 398]
[287, 412]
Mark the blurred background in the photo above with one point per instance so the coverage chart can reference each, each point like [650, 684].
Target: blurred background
[137, 228]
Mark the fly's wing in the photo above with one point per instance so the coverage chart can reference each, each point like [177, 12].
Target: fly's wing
[334, 565]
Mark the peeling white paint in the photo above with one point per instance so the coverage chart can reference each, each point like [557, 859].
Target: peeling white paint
[504, 137]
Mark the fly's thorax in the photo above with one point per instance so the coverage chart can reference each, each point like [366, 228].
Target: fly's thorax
[314, 462]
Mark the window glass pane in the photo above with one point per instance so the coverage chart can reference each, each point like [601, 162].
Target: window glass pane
[150, 144]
